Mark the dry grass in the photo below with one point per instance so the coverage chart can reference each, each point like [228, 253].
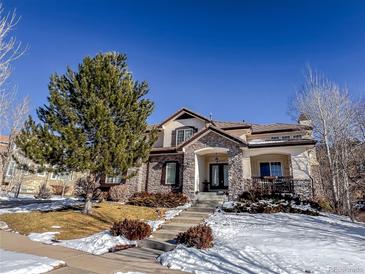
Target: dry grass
[76, 225]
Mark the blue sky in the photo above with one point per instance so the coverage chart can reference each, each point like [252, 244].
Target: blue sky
[234, 59]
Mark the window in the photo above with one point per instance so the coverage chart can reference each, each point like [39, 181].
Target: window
[287, 137]
[297, 137]
[171, 172]
[271, 169]
[114, 180]
[183, 134]
[54, 176]
[11, 169]
[41, 174]
[275, 138]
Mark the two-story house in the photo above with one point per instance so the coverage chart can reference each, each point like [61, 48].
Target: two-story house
[194, 153]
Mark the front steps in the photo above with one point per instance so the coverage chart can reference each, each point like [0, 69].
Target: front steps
[164, 239]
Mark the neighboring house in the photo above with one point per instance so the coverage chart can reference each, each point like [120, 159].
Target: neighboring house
[194, 153]
[30, 182]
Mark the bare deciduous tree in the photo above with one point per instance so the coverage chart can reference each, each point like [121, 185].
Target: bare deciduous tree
[334, 118]
[12, 111]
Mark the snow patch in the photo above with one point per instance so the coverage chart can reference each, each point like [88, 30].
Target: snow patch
[20, 263]
[55, 226]
[3, 225]
[96, 244]
[275, 243]
[43, 206]
[45, 237]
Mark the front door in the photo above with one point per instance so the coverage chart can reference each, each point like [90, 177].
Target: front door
[219, 176]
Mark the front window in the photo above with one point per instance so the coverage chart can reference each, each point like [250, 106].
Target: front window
[271, 169]
[171, 177]
[183, 134]
[11, 169]
[114, 179]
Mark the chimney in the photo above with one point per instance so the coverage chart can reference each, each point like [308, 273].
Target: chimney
[304, 119]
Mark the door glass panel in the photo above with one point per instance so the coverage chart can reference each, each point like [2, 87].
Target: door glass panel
[225, 175]
[276, 169]
[264, 169]
[215, 175]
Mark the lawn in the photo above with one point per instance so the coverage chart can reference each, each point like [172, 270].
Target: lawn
[74, 224]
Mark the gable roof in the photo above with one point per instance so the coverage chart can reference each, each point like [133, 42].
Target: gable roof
[278, 127]
[213, 129]
[4, 139]
[181, 112]
[231, 125]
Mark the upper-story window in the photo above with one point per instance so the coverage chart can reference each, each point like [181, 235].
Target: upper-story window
[183, 134]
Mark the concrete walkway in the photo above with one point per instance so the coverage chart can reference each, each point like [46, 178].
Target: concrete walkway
[81, 262]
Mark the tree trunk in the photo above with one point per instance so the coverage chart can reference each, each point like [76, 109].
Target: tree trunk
[88, 206]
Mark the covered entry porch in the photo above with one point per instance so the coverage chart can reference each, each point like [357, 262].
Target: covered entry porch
[211, 169]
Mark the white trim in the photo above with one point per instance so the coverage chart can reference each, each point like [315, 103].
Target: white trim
[209, 150]
[184, 138]
[174, 183]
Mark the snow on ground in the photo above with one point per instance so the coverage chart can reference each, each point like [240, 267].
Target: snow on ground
[96, 244]
[275, 243]
[20, 263]
[45, 237]
[169, 214]
[42, 206]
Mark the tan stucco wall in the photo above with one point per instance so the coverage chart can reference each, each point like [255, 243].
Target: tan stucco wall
[301, 158]
[170, 126]
[283, 159]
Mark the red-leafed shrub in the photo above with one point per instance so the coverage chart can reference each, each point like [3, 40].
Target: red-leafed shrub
[168, 200]
[131, 229]
[200, 236]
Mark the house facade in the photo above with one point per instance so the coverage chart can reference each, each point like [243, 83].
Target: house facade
[194, 153]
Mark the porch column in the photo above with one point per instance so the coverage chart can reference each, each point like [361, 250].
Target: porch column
[236, 180]
[189, 174]
[300, 165]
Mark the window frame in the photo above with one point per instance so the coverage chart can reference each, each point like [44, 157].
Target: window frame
[9, 168]
[183, 130]
[270, 162]
[165, 182]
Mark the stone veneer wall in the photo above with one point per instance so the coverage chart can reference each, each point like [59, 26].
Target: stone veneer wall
[235, 165]
[155, 173]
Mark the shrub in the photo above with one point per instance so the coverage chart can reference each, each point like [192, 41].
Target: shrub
[158, 199]
[131, 229]
[43, 192]
[325, 204]
[60, 189]
[200, 236]
[119, 193]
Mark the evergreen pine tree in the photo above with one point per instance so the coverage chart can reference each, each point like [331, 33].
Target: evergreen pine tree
[95, 122]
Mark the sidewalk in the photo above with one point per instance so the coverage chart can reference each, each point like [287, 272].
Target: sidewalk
[81, 262]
